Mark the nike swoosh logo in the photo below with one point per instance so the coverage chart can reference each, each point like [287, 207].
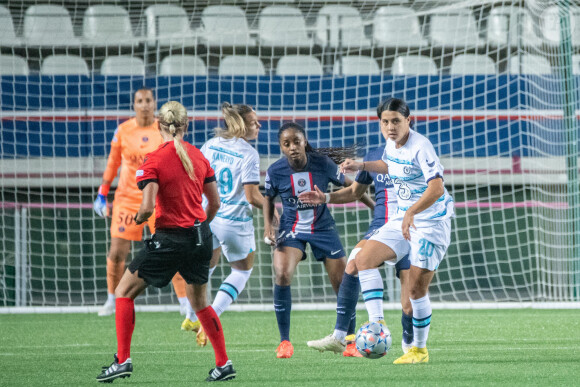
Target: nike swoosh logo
[334, 252]
[430, 164]
[299, 192]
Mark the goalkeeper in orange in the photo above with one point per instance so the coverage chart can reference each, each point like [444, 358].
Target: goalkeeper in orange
[132, 140]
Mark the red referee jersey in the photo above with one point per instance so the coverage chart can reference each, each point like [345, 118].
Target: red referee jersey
[178, 202]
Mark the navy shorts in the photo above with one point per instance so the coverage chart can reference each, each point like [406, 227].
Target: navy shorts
[403, 264]
[170, 251]
[324, 244]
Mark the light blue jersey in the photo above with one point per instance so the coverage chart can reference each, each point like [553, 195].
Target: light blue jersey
[411, 167]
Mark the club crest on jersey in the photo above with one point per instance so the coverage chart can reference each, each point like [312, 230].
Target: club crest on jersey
[121, 229]
[145, 139]
[301, 182]
[407, 170]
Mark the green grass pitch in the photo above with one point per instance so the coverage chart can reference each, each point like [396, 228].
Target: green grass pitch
[467, 347]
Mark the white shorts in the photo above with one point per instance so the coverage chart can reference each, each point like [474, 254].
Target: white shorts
[236, 241]
[426, 248]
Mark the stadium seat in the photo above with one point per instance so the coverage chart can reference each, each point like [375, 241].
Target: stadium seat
[48, 25]
[107, 25]
[395, 26]
[64, 65]
[283, 26]
[550, 25]
[182, 65]
[13, 65]
[457, 29]
[510, 21]
[529, 64]
[472, 64]
[225, 25]
[298, 65]
[356, 65]
[241, 65]
[333, 19]
[7, 35]
[123, 65]
[414, 65]
[169, 25]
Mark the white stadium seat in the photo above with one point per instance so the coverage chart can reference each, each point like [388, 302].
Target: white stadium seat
[225, 25]
[182, 65]
[64, 65]
[530, 65]
[241, 65]
[123, 65]
[13, 65]
[298, 65]
[7, 34]
[283, 26]
[107, 25]
[414, 65]
[48, 25]
[357, 65]
[457, 29]
[506, 23]
[169, 25]
[550, 25]
[395, 26]
[340, 21]
[472, 64]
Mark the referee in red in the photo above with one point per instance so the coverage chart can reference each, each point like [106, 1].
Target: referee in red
[173, 179]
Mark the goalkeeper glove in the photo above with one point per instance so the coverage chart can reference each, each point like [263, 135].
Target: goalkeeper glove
[100, 204]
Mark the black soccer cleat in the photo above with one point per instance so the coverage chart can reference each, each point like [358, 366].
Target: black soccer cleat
[221, 374]
[116, 370]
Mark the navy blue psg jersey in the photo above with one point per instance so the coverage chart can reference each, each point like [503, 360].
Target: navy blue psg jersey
[284, 181]
[385, 197]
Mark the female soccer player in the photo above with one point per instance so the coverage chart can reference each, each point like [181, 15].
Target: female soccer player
[173, 179]
[301, 169]
[133, 139]
[385, 207]
[421, 227]
[237, 167]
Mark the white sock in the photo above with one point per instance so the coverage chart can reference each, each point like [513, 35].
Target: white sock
[339, 335]
[421, 321]
[183, 301]
[371, 286]
[111, 298]
[230, 289]
[190, 313]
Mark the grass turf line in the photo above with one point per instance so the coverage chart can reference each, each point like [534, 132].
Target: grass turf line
[467, 347]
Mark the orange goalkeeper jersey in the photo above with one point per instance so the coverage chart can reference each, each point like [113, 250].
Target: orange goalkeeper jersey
[129, 146]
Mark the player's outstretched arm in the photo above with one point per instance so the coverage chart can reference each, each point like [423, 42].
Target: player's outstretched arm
[377, 166]
[359, 191]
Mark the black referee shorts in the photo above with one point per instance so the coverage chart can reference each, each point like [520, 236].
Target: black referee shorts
[175, 250]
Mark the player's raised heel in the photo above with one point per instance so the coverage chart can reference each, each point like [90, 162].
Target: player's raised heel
[414, 356]
[190, 326]
[285, 350]
[328, 343]
[115, 371]
[222, 374]
[107, 309]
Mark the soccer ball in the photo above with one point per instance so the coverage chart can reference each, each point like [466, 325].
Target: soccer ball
[373, 340]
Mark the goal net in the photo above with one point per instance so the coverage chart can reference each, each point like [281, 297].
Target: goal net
[492, 84]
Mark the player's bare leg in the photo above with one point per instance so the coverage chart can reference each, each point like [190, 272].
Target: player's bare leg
[118, 253]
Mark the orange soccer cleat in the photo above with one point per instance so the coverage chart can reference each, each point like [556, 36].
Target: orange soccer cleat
[351, 351]
[285, 350]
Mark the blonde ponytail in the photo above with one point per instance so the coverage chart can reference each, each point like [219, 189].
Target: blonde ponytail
[234, 120]
[173, 119]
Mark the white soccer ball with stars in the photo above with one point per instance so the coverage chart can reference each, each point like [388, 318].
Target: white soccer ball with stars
[373, 340]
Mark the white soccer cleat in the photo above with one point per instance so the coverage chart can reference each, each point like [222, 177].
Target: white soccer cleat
[107, 309]
[328, 343]
[406, 347]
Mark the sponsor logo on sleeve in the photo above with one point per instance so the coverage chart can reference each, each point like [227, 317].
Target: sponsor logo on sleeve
[140, 172]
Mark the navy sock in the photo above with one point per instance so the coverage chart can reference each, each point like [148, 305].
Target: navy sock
[283, 306]
[407, 323]
[346, 304]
